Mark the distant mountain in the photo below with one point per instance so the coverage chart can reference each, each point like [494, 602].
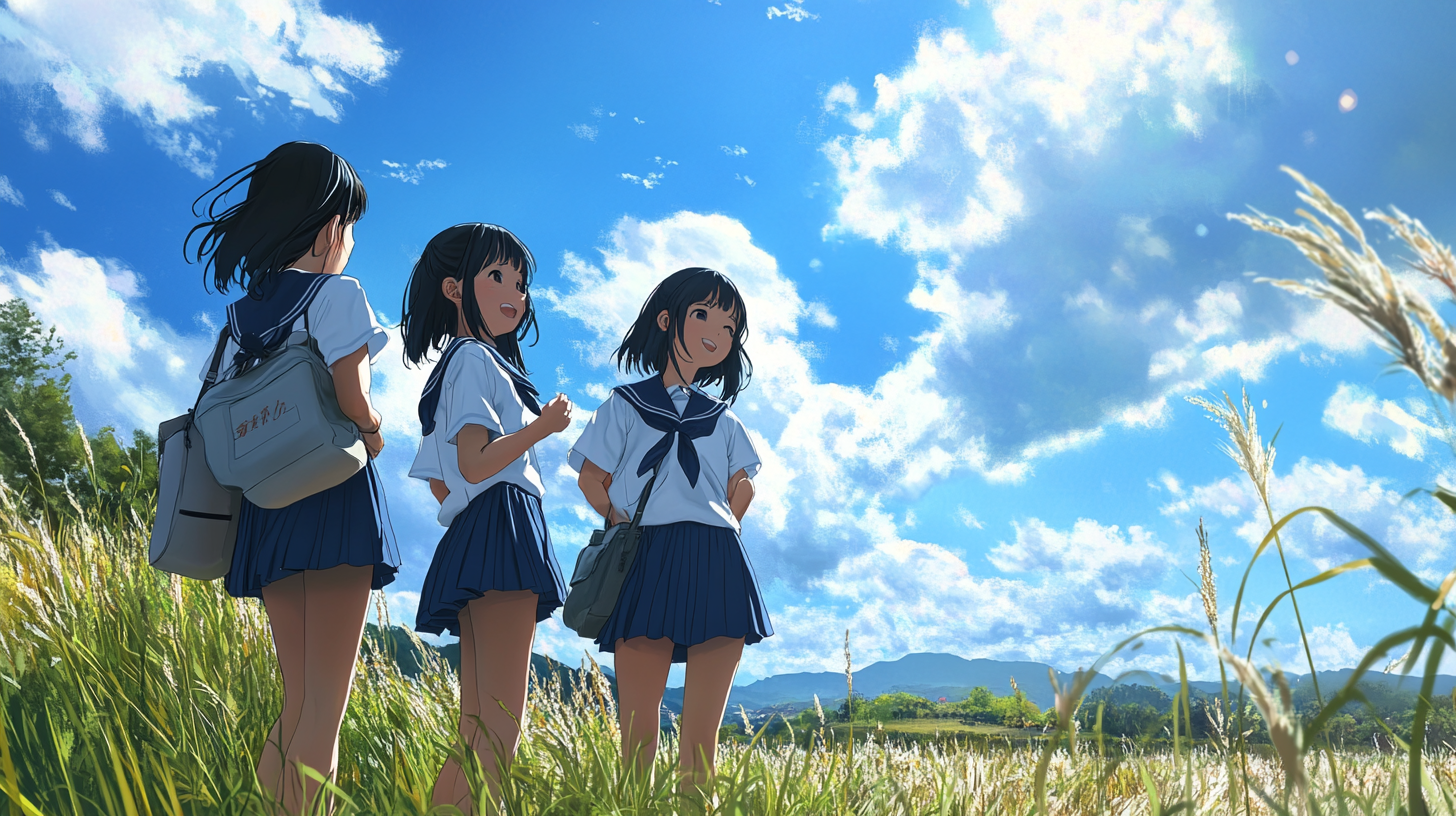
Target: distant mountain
[934, 676]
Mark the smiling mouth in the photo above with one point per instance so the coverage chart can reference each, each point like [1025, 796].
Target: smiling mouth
[508, 310]
[709, 344]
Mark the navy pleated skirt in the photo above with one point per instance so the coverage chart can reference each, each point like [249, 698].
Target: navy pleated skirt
[689, 583]
[498, 542]
[346, 524]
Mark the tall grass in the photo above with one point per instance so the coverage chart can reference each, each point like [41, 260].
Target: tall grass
[127, 691]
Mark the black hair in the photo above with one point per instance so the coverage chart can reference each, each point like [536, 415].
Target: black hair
[293, 192]
[461, 252]
[650, 350]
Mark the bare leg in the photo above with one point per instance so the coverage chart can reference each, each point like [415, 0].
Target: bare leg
[642, 665]
[336, 601]
[504, 626]
[283, 601]
[711, 666]
[451, 787]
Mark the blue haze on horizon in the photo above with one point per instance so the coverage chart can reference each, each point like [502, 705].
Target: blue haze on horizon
[984, 243]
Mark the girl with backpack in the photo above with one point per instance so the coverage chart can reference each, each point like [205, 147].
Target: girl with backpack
[690, 594]
[313, 562]
[494, 575]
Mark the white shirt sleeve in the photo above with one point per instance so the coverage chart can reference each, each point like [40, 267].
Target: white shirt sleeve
[741, 453]
[341, 321]
[473, 384]
[605, 437]
[427, 461]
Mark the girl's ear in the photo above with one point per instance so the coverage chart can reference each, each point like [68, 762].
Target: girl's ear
[330, 238]
[663, 319]
[450, 288]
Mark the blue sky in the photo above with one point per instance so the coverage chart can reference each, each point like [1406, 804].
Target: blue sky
[985, 248]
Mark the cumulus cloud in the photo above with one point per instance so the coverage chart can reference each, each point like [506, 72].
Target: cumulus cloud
[1417, 530]
[1357, 412]
[87, 55]
[935, 161]
[136, 370]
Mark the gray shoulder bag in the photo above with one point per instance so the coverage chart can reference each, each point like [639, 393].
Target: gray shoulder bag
[596, 583]
[196, 524]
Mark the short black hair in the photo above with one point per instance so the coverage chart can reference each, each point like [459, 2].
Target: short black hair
[648, 349]
[293, 192]
[461, 252]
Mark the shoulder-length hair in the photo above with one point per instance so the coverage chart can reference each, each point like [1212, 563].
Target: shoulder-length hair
[293, 192]
[648, 349]
[461, 252]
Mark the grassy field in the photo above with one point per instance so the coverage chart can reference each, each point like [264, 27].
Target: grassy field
[127, 691]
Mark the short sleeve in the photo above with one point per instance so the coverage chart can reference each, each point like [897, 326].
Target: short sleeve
[427, 461]
[741, 453]
[341, 321]
[604, 438]
[472, 385]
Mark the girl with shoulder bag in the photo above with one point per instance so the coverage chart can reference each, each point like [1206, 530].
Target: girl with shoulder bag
[312, 562]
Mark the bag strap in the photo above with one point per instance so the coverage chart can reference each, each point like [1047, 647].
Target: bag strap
[641, 502]
[207, 383]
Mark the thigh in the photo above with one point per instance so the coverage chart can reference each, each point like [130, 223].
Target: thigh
[642, 664]
[503, 626]
[284, 602]
[709, 678]
[337, 603]
[469, 700]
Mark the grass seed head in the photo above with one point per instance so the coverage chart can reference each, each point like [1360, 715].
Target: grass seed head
[1245, 447]
[1207, 588]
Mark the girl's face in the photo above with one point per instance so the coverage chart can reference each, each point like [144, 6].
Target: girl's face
[500, 291]
[707, 335]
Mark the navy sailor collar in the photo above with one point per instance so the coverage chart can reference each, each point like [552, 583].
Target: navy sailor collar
[258, 324]
[430, 397]
[654, 405]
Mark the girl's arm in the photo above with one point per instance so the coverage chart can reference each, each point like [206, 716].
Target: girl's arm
[594, 482]
[740, 493]
[439, 490]
[481, 457]
[351, 385]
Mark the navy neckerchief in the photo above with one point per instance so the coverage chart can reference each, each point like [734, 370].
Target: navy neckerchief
[656, 408]
[259, 324]
[430, 399]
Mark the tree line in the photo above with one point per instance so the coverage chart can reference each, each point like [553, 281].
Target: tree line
[50, 465]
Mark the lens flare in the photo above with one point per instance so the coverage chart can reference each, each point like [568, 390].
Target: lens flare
[1348, 101]
[1291, 57]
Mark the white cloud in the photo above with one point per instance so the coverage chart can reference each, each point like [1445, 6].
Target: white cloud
[735, 150]
[411, 174]
[61, 199]
[969, 519]
[588, 132]
[934, 162]
[1138, 236]
[745, 179]
[901, 596]
[1419, 531]
[88, 54]
[793, 11]
[136, 370]
[9, 194]
[1357, 412]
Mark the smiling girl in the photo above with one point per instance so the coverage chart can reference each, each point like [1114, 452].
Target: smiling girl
[690, 595]
[494, 575]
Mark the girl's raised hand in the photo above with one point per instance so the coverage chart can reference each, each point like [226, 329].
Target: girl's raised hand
[556, 414]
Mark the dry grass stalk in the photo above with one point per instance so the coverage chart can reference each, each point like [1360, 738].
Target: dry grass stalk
[1356, 280]
[1284, 727]
[1207, 588]
[1246, 448]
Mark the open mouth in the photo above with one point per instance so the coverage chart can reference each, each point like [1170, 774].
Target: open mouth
[508, 310]
[709, 344]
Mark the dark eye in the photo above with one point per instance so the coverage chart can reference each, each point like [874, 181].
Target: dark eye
[521, 287]
[700, 314]
[495, 275]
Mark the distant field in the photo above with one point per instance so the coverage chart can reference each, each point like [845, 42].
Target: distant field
[934, 726]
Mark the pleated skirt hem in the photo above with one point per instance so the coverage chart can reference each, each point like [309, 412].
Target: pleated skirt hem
[689, 583]
[498, 542]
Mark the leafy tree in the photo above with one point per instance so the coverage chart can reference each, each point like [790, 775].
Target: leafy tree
[50, 456]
